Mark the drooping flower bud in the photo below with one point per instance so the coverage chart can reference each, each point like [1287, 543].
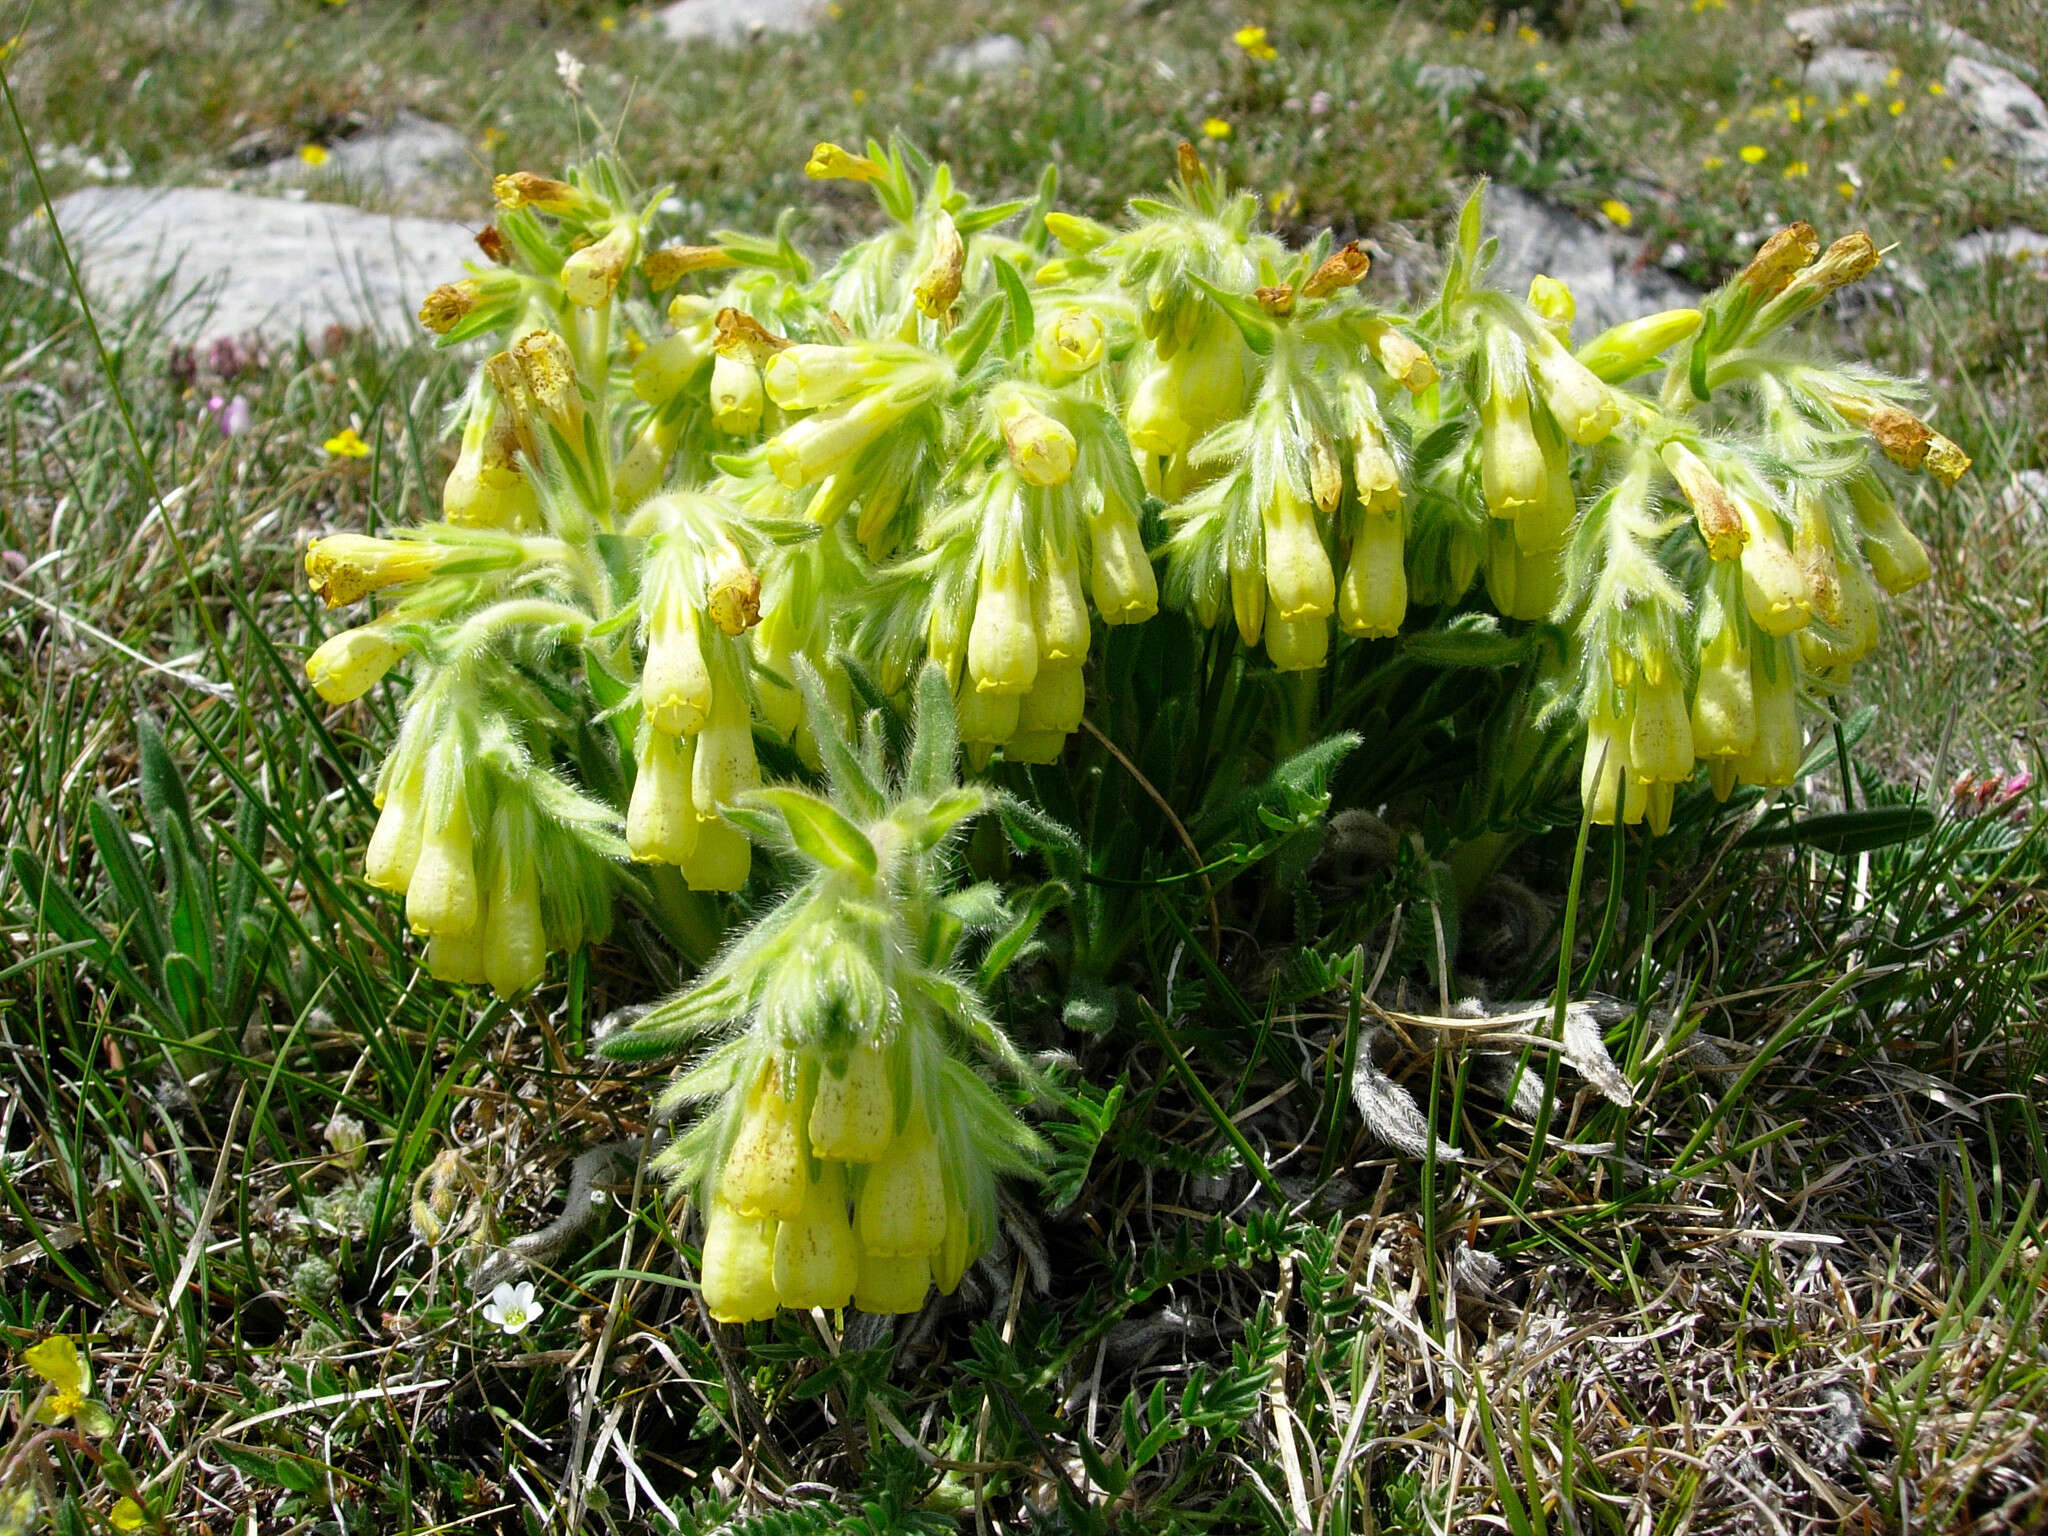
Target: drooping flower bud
[1059, 610]
[1041, 450]
[346, 666]
[736, 396]
[1773, 586]
[853, 1115]
[512, 934]
[1511, 469]
[1297, 644]
[1896, 556]
[1582, 405]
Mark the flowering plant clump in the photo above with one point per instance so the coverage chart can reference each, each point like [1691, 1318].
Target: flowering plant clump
[711, 501]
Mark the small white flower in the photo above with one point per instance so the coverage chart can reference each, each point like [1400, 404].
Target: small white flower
[511, 1307]
[569, 70]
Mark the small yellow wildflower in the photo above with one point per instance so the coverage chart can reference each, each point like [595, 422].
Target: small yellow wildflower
[1936, 88]
[491, 138]
[1543, 66]
[1752, 154]
[860, 97]
[313, 154]
[1529, 35]
[1722, 124]
[1846, 188]
[1619, 212]
[1861, 98]
[1215, 128]
[69, 1374]
[1896, 107]
[8, 45]
[1793, 112]
[127, 1515]
[1948, 162]
[1795, 170]
[1253, 41]
[1894, 75]
[345, 444]
[1713, 162]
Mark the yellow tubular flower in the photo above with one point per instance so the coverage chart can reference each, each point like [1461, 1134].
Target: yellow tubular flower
[515, 943]
[669, 264]
[346, 666]
[764, 1169]
[1773, 586]
[1152, 418]
[1121, 576]
[1546, 523]
[817, 1261]
[523, 189]
[401, 825]
[738, 1272]
[1660, 747]
[1552, 298]
[1623, 351]
[722, 859]
[1041, 747]
[460, 959]
[666, 368]
[1055, 703]
[829, 162]
[661, 819]
[345, 567]
[902, 1205]
[675, 683]
[1373, 471]
[808, 450]
[1604, 769]
[853, 1115]
[736, 396]
[1582, 405]
[1724, 704]
[1774, 762]
[548, 370]
[955, 1253]
[1059, 611]
[1325, 474]
[442, 896]
[1299, 579]
[889, 1283]
[988, 719]
[1512, 473]
[1896, 556]
[1299, 644]
[1409, 365]
[1248, 602]
[725, 767]
[448, 305]
[639, 473]
[591, 276]
[1720, 520]
[1002, 647]
[1373, 598]
[1778, 260]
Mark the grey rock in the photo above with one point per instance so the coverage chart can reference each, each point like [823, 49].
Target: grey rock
[2021, 247]
[1843, 71]
[738, 21]
[1817, 26]
[996, 54]
[413, 158]
[1450, 79]
[1601, 267]
[235, 265]
[2024, 502]
[2006, 108]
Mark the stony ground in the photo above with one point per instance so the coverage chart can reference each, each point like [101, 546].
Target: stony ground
[1799, 1286]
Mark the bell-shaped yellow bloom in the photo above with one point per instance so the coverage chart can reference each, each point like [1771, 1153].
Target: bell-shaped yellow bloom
[442, 896]
[661, 818]
[591, 276]
[345, 567]
[1059, 610]
[1660, 747]
[892, 1282]
[1372, 600]
[675, 683]
[1298, 644]
[736, 396]
[1299, 579]
[764, 1172]
[1055, 703]
[1780, 745]
[401, 825]
[738, 1272]
[902, 1205]
[853, 1115]
[1002, 646]
[1723, 705]
[514, 938]
[1120, 573]
[1773, 586]
[817, 1261]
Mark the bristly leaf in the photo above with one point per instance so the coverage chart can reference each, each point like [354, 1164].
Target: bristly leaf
[819, 831]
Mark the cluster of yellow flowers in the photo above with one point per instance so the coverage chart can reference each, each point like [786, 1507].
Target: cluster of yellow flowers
[969, 445]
